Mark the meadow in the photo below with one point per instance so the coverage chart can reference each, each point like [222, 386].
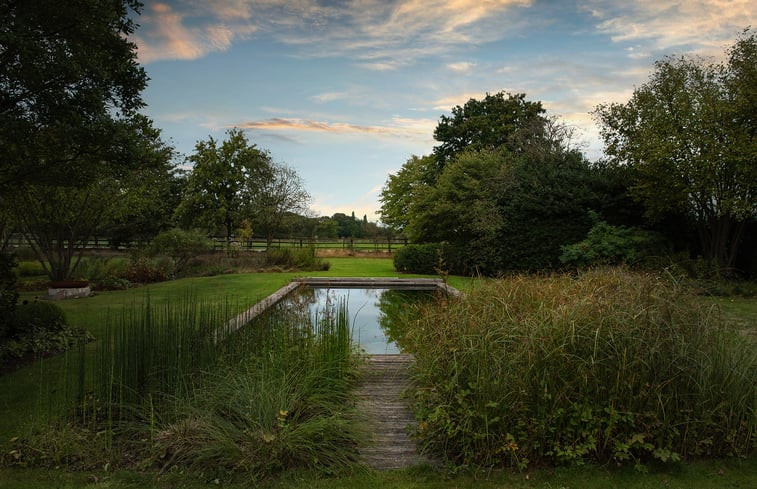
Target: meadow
[227, 294]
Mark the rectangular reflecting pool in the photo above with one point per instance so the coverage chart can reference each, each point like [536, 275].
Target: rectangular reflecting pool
[372, 314]
[378, 310]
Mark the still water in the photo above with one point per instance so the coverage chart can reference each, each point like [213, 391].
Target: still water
[375, 314]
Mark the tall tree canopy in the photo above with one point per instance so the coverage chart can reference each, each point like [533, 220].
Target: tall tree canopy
[510, 191]
[499, 120]
[688, 136]
[68, 78]
[222, 183]
[71, 137]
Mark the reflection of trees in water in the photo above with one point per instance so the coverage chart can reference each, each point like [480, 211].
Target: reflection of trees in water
[399, 308]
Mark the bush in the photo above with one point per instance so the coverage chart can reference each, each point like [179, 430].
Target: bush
[30, 269]
[8, 294]
[180, 246]
[39, 327]
[295, 258]
[419, 258]
[610, 366]
[612, 245]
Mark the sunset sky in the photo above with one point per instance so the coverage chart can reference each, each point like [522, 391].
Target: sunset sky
[346, 91]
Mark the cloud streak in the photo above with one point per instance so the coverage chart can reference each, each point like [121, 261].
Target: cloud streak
[701, 25]
[401, 127]
[167, 33]
[378, 34]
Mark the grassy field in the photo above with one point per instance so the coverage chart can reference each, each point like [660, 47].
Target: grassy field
[18, 389]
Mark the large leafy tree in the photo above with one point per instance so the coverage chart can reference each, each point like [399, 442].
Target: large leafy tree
[70, 133]
[58, 219]
[68, 78]
[499, 120]
[688, 136]
[221, 186]
[511, 192]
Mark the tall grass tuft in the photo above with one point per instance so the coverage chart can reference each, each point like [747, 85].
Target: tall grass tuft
[606, 366]
[162, 391]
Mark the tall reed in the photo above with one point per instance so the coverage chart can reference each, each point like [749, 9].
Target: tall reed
[162, 390]
[610, 365]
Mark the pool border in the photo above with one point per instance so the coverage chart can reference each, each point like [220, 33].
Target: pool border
[339, 283]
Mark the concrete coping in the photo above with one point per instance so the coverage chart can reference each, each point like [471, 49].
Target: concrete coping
[340, 283]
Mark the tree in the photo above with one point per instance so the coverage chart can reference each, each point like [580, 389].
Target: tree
[499, 120]
[406, 190]
[688, 135]
[58, 219]
[222, 183]
[280, 191]
[68, 78]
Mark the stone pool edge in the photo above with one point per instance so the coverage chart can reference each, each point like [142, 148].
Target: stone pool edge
[335, 283]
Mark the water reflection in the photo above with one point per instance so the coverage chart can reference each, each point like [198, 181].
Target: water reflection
[377, 316]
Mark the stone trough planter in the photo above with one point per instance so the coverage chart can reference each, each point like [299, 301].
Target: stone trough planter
[67, 289]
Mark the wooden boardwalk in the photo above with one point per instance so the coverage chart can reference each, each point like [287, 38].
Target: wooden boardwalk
[387, 414]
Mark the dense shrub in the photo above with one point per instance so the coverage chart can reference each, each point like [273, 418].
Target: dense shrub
[29, 269]
[608, 366]
[419, 258]
[295, 258]
[8, 294]
[613, 245]
[37, 328]
[180, 246]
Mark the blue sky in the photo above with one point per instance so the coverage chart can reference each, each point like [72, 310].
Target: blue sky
[346, 91]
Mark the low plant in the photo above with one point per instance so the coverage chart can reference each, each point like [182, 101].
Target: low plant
[39, 328]
[606, 244]
[608, 366]
[295, 258]
[179, 245]
[174, 388]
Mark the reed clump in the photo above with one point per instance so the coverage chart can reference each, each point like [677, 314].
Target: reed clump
[607, 366]
[169, 387]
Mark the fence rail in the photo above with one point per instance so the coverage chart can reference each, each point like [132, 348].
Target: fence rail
[257, 244]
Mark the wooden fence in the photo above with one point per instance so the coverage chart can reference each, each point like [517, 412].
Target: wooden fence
[257, 244]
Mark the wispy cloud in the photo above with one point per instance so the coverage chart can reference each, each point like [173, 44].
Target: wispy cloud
[398, 127]
[462, 67]
[699, 25]
[378, 34]
[169, 33]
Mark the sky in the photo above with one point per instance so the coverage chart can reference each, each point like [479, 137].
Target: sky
[346, 91]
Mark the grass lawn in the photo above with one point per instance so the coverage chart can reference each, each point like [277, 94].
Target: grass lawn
[18, 391]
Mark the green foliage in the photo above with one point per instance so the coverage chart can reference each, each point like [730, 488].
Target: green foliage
[502, 120]
[29, 269]
[38, 328]
[612, 245]
[8, 294]
[419, 258]
[180, 246]
[609, 366]
[220, 187]
[176, 388]
[688, 137]
[295, 258]
[508, 191]
[70, 78]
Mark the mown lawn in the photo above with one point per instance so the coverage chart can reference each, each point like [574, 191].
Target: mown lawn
[18, 391]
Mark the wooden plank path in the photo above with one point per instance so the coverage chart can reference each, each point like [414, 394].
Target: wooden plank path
[387, 414]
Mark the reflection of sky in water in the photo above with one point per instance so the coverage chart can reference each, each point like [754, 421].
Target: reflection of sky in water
[365, 316]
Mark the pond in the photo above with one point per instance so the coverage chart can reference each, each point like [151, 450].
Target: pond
[376, 315]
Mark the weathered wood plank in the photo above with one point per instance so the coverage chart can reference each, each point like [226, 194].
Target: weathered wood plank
[387, 414]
